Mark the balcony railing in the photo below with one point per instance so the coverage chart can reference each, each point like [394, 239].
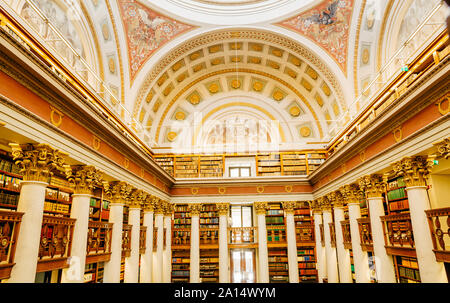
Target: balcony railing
[181, 237]
[56, 243]
[439, 222]
[322, 236]
[142, 239]
[346, 234]
[365, 234]
[155, 238]
[242, 235]
[305, 234]
[276, 235]
[98, 247]
[398, 234]
[332, 234]
[126, 240]
[9, 230]
[209, 236]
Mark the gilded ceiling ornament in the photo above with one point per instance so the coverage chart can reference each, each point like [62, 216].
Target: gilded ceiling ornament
[171, 136]
[56, 116]
[213, 88]
[305, 131]
[258, 86]
[288, 188]
[194, 190]
[149, 203]
[37, 161]
[222, 190]
[159, 205]
[180, 116]
[315, 206]
[235, 84]
[398, 133]
[338, 199]
[294, 111]
[278, 95]
[84, 178]
[260, 189]
[350, 193]
[194, 99]
[444, 110]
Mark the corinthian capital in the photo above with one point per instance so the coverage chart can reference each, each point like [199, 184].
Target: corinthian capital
[137, 198]
[159, 205]
[223, 208]
[413, 169]
[315, 205]
[169, 209]
[119, 191]
[350, 193]
[325, 203]
[261, 207]
[373, 185]
[84, 178]
[195, 209]
[337, 199]
[149, 204]
[443, 148]
[37, 161]
[289, 206]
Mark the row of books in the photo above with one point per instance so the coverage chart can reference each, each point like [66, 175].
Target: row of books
[306, 259]
[56, 207]
[59, 182]
[399, 205]
[269, 169]
[409, 262]
[176, 266]
[294, 168]
[272, 212]
[209, 260]
[9, 182]
[57, 195]
[302, 211]
[307, 271]
[181, 260]
[399, 182]
[182, 221]
[209, 220]
[269, 157]
[9, 199]
[398, 193]
[274, 220]
[278, 267]
[305, 252]
[277, 259]
[294, 156]
[9, 166]
[279, 278]
[180, 273]
[307, 265]
[409, 273]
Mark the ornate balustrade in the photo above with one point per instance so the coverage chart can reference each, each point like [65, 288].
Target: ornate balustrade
[242, 235]
[181, 237]
[155, 237]
[332, 234]
[398, 235]
[142, 239]
[322, 235]
[439, 222]
[305, 234]
[209, 236]
[55, 243]
[365, 234]
[346, 234]
[276, 235]
[126, 240]
[9, 229]
[98, 248]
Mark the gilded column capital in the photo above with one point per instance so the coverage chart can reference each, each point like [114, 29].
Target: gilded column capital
[223, 208]
[350, 193]
[137, 198]
[159, 206]
[149, 203]
[413, 169]
[261, 207]
[195, 209]
[84, 178]
[169, 208]
[289, 206]
[325, 203]
[118, 191]
[337, 199]
[37, 161]
[443, 148]
[373, 185]
[315, 205]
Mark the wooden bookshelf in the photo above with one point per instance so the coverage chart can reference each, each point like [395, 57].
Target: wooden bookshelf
[9, 182]
[268, 165]
[306, 259]
[302, 214]
[209, 216]
[277, 244]
[94, 272]
[212, 166]
[187, 167]
[352, 266]
[209, 265]
[407, 270]
[294, 164]
[209, 244]
[181, 244]
[396, 196]
[122, 270]
[166, 163]
[314, 161]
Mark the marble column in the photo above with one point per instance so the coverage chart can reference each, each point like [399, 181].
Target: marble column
[146, 270]
[168, 250]
[263, 255]
[118, 193]
[414, 171]
[320, 250]
[159, 224]
[84, 179]
[194, 271]
[288, 208]
[374, 186]
[360, 257]
[224, 271]
[36, 161]
[344, 263]
[332, 267]
[131, 274]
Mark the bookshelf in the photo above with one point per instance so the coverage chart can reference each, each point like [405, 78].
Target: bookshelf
[166, 163]
[209, 265]
[209, 244]
[209, 216]
[302, 214]
[352, 266]
[9, 182]
[187, 167]
[306, 259]
[122, 270]
[407, 269]
[294, 164]
[58, 197]
[268, 165]
[315, 160]
[277, 244]
[181, 233]
[94, 272]
[396, 196]
[211, 166]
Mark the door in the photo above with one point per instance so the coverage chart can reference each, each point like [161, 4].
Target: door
[243, 265]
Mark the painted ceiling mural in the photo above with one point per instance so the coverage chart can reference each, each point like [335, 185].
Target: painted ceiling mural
[146, 31]
[327, 24]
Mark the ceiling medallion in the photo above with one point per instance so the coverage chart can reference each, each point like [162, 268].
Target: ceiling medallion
[278, 96]
[194, 99]
[288, 188]
[294, 111]
[180, 116]
[171, 136]
[257, 86]
[305, 131]
[235, 83]
[260, 189]
[213, 88]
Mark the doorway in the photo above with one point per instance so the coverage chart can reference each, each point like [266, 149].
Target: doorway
[243, 265]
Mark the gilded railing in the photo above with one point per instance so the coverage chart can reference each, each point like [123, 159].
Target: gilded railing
[126, 240]
[56, 237]
[9, 229]
[99, 238]
[365, 234]
[398, 232]
[209, 236]
[439, 222]
[305, 233]
[346, 234]
[142, 239]
[276, 234]
[181, 237]
[242, 235]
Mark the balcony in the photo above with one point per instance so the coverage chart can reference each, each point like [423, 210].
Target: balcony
[305, 235]
[332, 234]
[181, 238]
[98, 247]
[365, 234]
[126, 240]
[346, 234]
[209, 238]
[155, 237]
[242, 237]
[9, 230]
[439, 222]
[55, 244]
[142, 239]
[322, 236]
[398, 235]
